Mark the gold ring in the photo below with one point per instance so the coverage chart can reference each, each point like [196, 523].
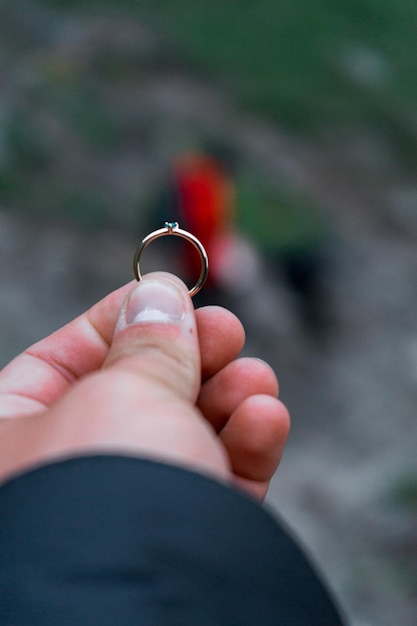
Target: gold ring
[172, 228]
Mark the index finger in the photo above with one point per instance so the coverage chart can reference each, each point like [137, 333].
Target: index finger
[43, 372]
[38, 377]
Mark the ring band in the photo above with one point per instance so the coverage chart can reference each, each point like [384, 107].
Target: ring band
[172, 228]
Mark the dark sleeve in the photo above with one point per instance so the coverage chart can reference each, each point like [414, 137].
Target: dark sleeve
[119, 541]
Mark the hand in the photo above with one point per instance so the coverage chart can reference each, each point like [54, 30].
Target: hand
[143, 374]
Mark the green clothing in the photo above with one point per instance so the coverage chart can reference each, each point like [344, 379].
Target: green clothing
[278, 225]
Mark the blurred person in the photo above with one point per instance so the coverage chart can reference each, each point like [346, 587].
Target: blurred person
[200, 195]
[294, 241]
[134, 449]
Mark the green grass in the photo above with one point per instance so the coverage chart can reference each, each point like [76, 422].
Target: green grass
[404, 492]
[282, 58]
[292, 61]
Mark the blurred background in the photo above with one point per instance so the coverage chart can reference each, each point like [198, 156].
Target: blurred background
[284, 134]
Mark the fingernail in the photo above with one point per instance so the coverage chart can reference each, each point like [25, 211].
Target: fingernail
[154, 301]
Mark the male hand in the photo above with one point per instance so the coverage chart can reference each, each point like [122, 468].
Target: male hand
[143, 374]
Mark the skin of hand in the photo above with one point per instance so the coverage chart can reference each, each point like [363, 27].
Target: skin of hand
[143, 374]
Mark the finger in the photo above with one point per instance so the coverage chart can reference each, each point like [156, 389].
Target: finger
[40, 375]
[226, 390]
[222, 337]
[255, 437]
[256, 489]
[156, 337]
[142, 401]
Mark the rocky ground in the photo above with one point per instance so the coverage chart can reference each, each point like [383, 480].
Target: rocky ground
[347, 484]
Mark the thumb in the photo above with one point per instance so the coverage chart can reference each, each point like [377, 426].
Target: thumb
[156, 337]
[142, 400]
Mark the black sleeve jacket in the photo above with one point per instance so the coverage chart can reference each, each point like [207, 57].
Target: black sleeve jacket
[119, 541]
